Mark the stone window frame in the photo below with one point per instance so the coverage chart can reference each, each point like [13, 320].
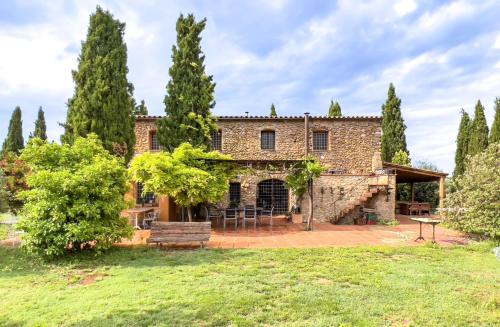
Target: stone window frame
[263, 130]
[327, 139]
[151, 143]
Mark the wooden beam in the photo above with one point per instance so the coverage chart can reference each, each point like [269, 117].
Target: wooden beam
[412, 192]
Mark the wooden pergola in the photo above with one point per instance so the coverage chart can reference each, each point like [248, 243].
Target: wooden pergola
[412, 175]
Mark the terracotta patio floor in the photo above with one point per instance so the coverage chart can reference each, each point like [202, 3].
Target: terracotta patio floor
[292, 235]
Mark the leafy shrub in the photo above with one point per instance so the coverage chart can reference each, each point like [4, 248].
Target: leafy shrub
[4, 193]
[475, 206]
[75, 198]
[15, 171]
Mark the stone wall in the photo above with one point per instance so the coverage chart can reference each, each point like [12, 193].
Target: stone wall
[332, 194]
[351, 142]
[142, 130]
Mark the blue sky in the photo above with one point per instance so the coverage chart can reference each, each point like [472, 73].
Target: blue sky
[441, 56]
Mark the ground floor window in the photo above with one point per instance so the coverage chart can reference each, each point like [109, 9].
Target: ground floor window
[144, 198]
[273, 193]
[234, 194]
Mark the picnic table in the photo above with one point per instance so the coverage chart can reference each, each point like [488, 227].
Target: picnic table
[134, 213]
[427, 220]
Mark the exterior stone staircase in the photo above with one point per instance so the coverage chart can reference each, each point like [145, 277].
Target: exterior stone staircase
[353, 204]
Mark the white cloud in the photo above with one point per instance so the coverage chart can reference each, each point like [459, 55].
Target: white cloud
[405, 7]
[497, 43]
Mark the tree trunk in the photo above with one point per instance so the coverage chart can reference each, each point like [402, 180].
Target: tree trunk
[190, 214]
[309, 226]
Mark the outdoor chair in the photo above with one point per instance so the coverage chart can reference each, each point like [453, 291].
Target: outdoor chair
[150, 218]
[212, 212]
[231, 214]
[267, 213]
[250, 213]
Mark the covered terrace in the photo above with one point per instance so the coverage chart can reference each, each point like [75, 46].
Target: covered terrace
[412, 176]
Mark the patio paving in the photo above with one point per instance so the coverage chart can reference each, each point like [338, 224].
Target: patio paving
[292, 235]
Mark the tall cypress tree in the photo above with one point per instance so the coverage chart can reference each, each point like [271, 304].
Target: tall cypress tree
[273, 111]
[393, 126]
[40, 126]
[102, 102]
[190, 91]
[141, 109]
[495, 127]
[14, 141]
[479, 131]
[463, 139]
[334, 110]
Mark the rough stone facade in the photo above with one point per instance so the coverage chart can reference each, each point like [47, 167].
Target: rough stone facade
[351, 142]
[353, 146]
[143, 129]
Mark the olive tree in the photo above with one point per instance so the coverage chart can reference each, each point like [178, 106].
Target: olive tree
[189, 175]
[475, 206]
[75, 196]
[300, 181]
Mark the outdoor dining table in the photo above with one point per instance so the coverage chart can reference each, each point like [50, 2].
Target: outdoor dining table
[426, 220]
[136, 212]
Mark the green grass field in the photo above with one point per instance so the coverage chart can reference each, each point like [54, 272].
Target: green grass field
[363, 286]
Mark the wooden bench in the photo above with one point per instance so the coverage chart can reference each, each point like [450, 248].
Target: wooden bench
[179, 232]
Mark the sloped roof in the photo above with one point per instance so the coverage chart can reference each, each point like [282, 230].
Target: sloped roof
[405, 174]
[377, 118]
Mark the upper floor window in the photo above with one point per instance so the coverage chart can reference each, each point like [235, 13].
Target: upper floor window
[320, 141]
[267, 140]
[154, 145]
[217, 140]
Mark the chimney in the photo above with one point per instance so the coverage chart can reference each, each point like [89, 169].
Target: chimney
[306, 134]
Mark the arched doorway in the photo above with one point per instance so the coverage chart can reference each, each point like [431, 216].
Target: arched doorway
[273, 193]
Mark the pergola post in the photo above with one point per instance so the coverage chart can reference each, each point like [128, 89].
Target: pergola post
[412, 185]
[442, 194]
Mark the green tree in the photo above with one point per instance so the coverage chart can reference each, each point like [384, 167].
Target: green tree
[190, 91]
[393, 126]
[40, 126]
[102, 102]
[474, 207]
[15, 171]
[14, 141]
[427, 192]
[495, 127]
[273, 111]
[189, 175]
[141, 109]
[479, 131]
[401, 157]
[4, 193]
[301, 180]
[334, 110]
[463, 139]
[403, 190]
[76, 193]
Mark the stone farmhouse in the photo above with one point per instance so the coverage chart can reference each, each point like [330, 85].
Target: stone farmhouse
[350, 147]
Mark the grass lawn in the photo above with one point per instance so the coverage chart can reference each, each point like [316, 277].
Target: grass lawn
[362, 286]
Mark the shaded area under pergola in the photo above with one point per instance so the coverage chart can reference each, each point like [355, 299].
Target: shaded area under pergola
[412, 175]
